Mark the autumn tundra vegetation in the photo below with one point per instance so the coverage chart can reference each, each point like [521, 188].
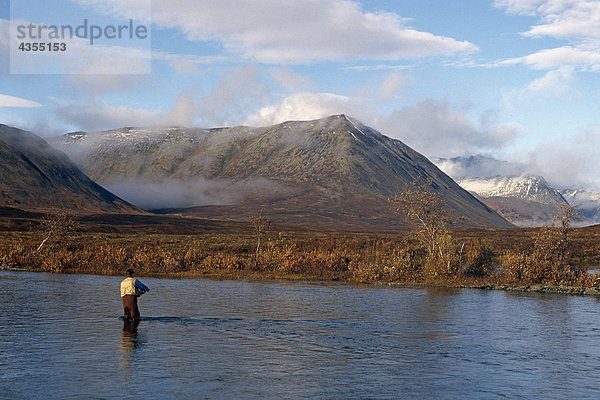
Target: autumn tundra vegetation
[432, 252]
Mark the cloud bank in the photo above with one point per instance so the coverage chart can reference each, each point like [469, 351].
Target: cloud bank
[303, 106]
[436, 128]
[575, 21]
[566, 163]
[432, 127]
[478, 166]
[293, 31]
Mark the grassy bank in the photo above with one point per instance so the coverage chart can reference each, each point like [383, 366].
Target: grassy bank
[510, 258]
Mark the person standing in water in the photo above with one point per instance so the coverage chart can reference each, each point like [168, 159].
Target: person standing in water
[131, 289]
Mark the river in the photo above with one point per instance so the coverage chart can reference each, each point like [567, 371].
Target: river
[61, 338]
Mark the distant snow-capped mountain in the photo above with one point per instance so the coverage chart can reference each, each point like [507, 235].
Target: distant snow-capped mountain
[588, 203]
[525, 187]
[523, 200]
[530, 201]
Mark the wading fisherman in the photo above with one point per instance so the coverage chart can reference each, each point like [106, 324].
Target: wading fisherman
[131, 289]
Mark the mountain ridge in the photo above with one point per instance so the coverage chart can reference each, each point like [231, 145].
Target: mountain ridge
[35, 176]
[524, 200]
[330, 167]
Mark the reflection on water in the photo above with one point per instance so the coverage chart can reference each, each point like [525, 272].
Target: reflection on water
[129, 342]
[61, 337]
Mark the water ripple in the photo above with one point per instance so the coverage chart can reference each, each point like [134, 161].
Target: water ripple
[60, 337]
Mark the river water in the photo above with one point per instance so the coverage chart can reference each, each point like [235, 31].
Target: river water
[61, 338]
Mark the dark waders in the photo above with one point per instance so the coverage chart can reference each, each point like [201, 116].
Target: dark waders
[130, 307]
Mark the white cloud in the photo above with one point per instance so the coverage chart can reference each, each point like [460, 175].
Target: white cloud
[182, 113]
[293, 31]
[193, 192]
[569, 161]
[384, 88]
[11, 101]
[92, 114]
[195, 59]
[563, 162]
[305, 106]
[290, 80]
[95, 115]
[534, 7]
[555, 82]
[478, 166]
[240, 92]
[431, 127]
[391, 86]
[567, 19]
[378, 67]
[577, 21]
[566, 56]
[435, 128]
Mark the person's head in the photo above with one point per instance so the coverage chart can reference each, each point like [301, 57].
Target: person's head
[129, 272]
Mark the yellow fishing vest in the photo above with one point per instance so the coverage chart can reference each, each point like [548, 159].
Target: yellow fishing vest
[128, 287]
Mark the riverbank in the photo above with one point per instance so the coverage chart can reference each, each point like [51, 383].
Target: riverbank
[489, 259]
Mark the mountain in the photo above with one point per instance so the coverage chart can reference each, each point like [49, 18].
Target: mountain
[35, 176]
[588, 203]
[530, 188]
[333, 170]
[523, 200]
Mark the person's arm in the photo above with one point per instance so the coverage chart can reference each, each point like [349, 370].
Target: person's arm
[141, 286]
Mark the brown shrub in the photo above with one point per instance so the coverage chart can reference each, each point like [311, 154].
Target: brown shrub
[365, 272]
[479, 258]
[14, 255]
[513, 265]
[59, 260]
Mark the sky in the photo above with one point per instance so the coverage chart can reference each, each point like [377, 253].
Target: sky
[515, 80]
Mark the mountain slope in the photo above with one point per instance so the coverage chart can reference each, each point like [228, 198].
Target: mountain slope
[34, 176]
[332, 170]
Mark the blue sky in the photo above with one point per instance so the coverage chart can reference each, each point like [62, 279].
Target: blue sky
[512, 79]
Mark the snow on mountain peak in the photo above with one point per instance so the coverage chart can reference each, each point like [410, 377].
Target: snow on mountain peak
[524, 187]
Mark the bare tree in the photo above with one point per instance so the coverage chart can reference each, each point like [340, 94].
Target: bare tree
[261, 226]
[56, 224]
[428, 214]
[566, 214]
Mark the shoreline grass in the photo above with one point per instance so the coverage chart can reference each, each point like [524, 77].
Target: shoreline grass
[490, 258]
